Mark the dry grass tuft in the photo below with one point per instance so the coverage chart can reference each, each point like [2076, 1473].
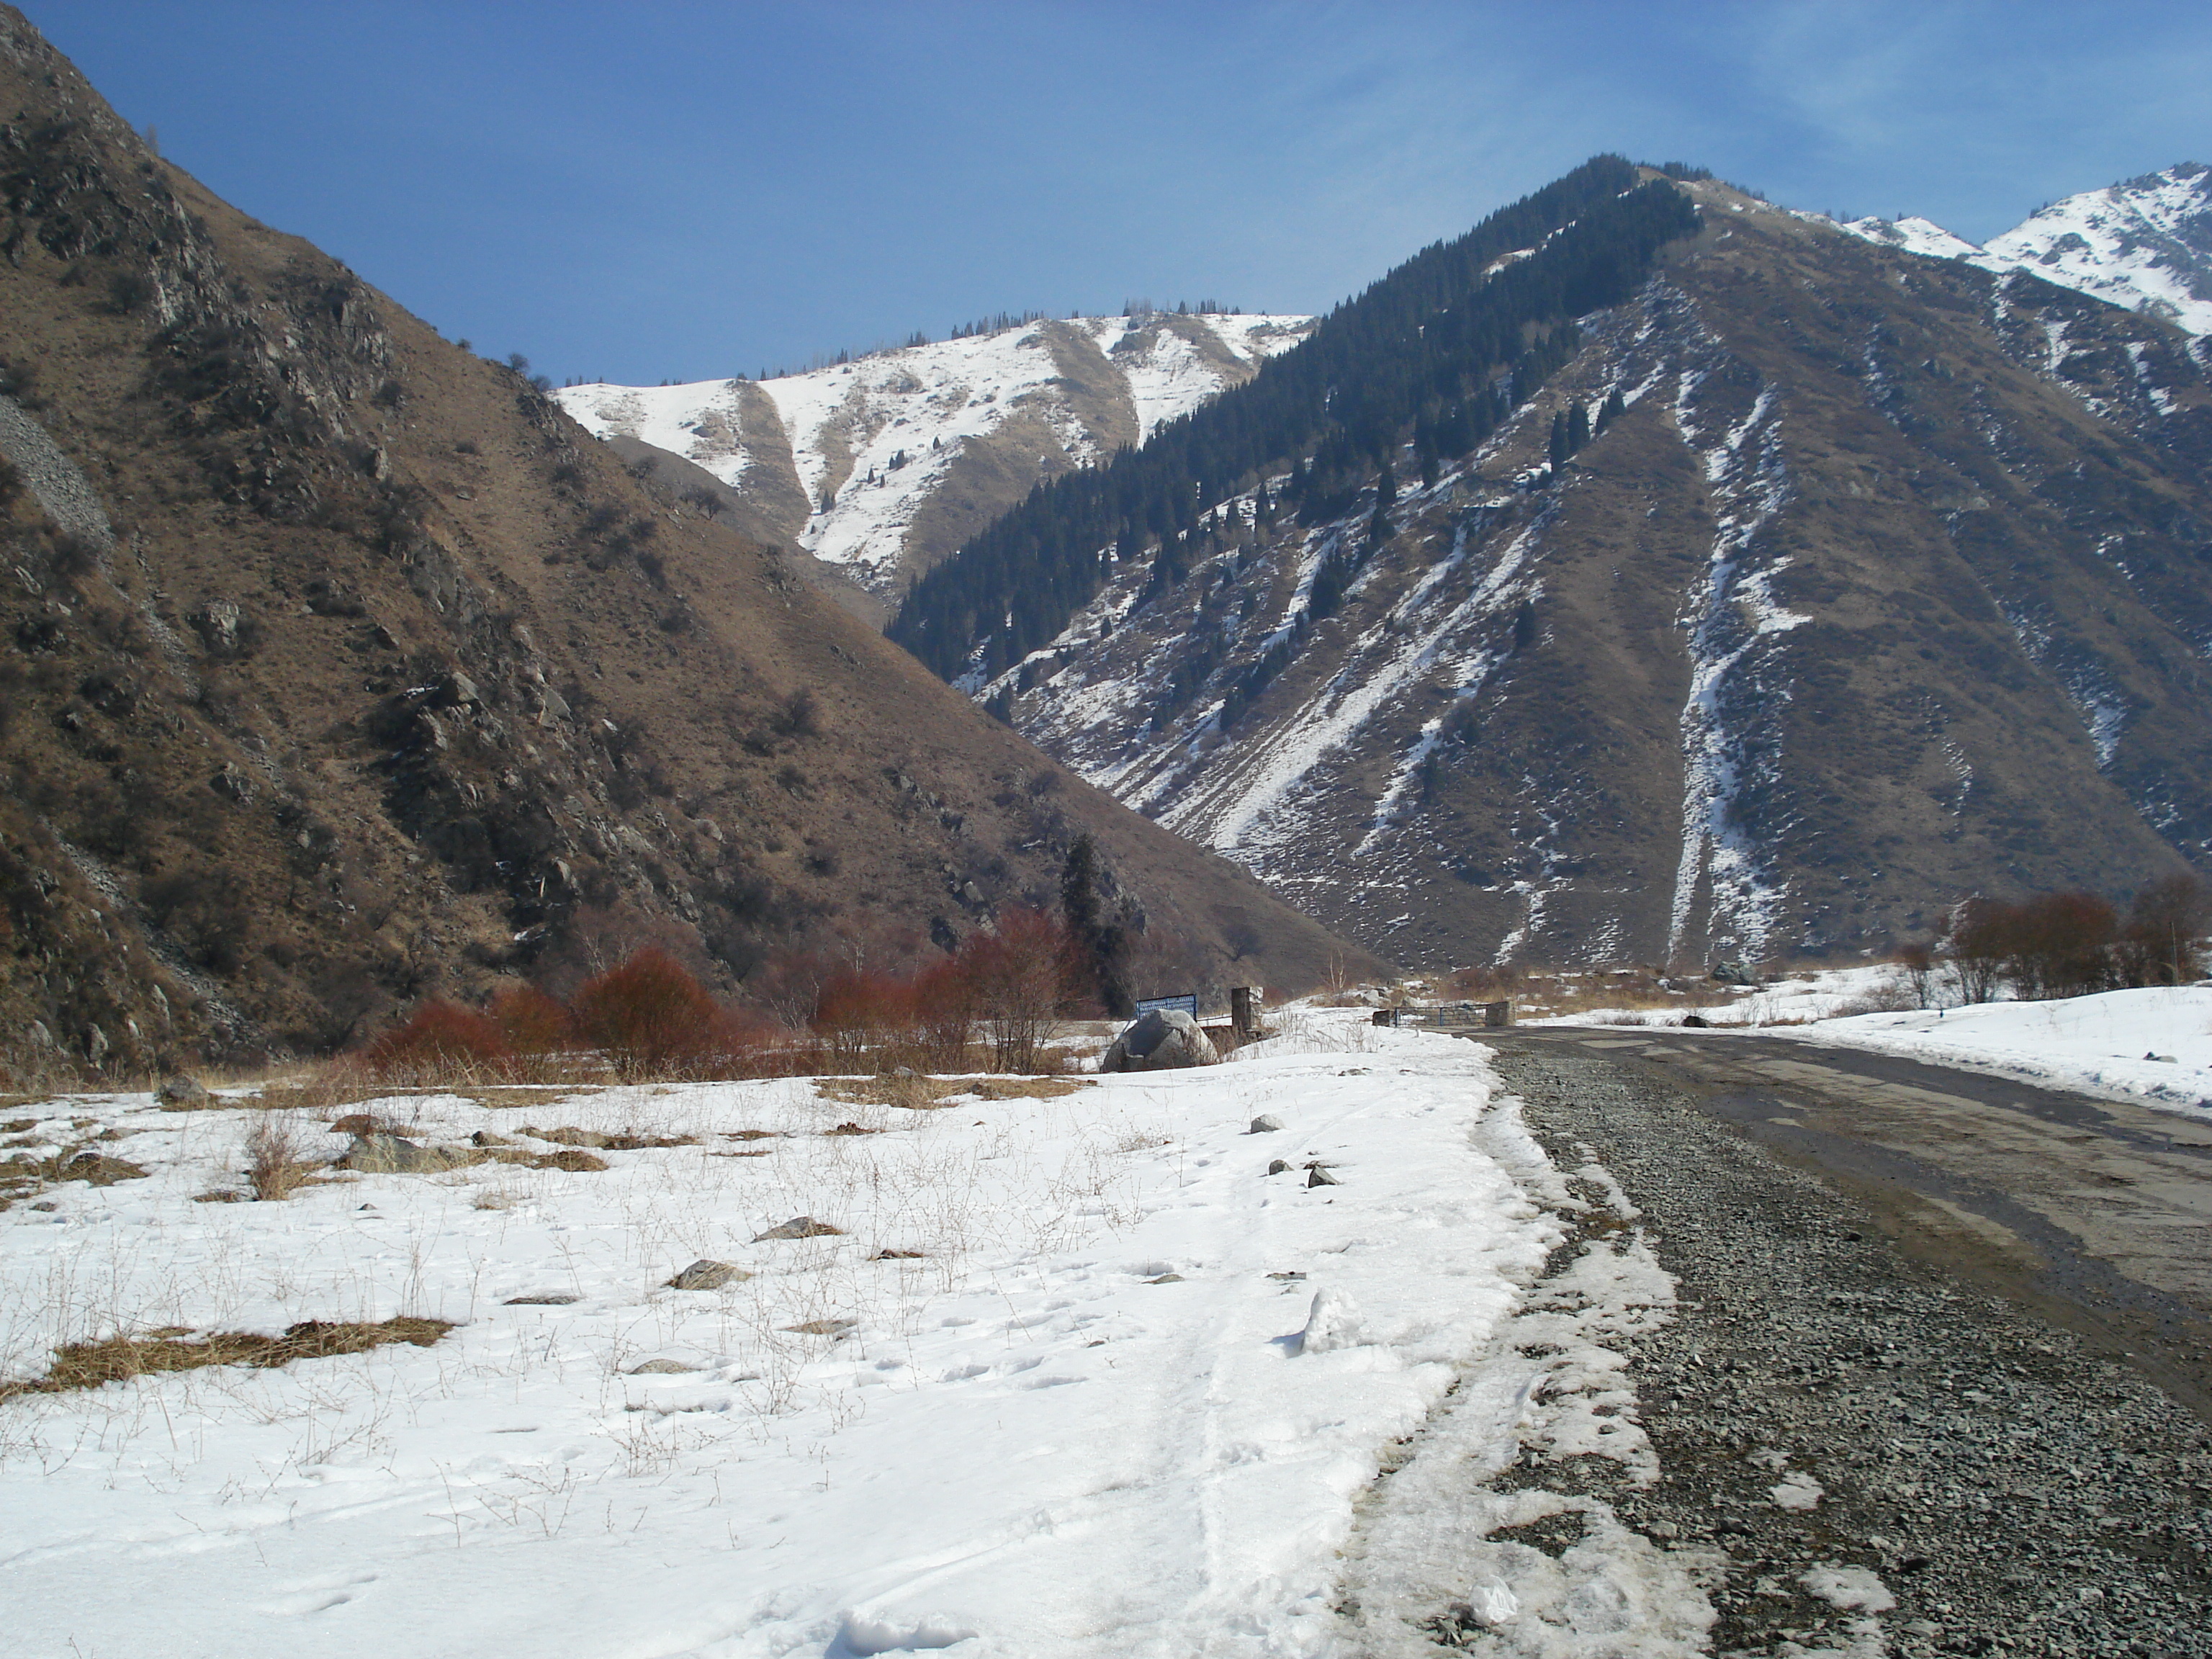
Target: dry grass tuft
[118, 1358]
[78, 1163]
[276, 1165]
[573, 1159]
[921, 1094]
[1028, 1088]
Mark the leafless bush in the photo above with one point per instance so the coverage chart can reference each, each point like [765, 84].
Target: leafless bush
[2163, 942]
[1916, 962]
[275, 1161]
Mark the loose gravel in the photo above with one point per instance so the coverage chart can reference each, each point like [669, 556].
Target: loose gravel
[1837, 1416]
[51, 475]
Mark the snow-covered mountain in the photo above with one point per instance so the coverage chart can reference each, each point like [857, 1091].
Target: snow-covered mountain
[882, 466]
[2145, 243]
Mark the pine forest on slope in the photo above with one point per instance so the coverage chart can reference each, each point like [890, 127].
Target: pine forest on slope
[1449, 342]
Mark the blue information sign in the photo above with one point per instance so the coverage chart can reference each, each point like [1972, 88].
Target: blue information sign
[1188, 1003]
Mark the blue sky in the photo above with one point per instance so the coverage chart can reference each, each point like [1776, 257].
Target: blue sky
[658, 189]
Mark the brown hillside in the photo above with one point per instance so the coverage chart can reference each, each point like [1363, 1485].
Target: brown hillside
[340, 666]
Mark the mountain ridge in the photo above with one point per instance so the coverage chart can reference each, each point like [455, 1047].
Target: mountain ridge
[881, 466]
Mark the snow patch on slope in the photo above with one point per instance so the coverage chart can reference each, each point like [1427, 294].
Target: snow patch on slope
[1732, 611]
[1912, 234]
[1233, 815]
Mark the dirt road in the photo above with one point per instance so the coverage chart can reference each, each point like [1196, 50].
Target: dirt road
[1941, 1327]
[2095, 1213]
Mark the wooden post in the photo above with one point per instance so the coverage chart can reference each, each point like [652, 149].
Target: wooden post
[1244, 1011]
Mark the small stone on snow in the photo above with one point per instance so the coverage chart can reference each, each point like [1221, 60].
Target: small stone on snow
[708, 1275]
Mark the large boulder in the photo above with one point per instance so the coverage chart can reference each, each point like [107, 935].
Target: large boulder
[183, 1093]
[1163, 1040]
[389, 1154]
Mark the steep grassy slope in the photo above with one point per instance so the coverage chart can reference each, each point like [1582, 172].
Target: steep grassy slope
[1888, 580]
[340, 665]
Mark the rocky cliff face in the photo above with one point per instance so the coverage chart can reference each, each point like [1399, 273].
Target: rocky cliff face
[880, 467]
[338, 666]
[1886, 579]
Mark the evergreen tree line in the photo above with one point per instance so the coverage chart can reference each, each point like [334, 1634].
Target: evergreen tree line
[997, 323]
[1136, 308]
[1443, 348]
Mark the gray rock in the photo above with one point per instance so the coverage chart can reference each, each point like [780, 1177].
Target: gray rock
[181, 1093]
[1163, 1040]
[1318, 1175]
[591, 1138]
[486, 1138]
[389, 1154]
[1278, 1167]
[662, 1368]
[824, 1326]
[705, 1274]
[1266, 1124]
[799, 1226]
[543, 1299]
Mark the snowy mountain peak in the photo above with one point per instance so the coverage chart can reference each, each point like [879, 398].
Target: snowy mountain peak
[2145, 244]
[882, 465]
[1913, 234]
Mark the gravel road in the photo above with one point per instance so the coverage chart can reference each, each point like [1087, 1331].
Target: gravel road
[1822, 1398]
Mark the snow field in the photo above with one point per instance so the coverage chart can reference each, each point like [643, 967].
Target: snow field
[1084, 1419]
[2095, 1045]
[2098, 1045]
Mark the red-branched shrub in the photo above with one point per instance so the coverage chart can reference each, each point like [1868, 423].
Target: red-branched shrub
[856, 1012]
[2061, 946]
[439, 1039]
[2163, 941]
[944, 1015]
[650, 1018]
[533, 1022]
[1020, 977]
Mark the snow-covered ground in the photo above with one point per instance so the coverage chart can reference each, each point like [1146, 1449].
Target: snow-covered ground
[1120, 1399]
[2154, 1045]
[880, 434]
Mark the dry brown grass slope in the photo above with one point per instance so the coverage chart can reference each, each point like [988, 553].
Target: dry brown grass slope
[340, 667]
